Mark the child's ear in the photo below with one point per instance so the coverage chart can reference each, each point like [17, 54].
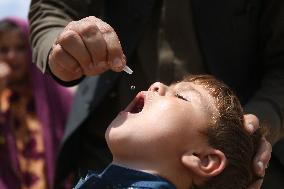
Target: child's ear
[205, 164]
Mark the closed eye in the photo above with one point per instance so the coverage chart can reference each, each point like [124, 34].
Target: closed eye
[180, 96]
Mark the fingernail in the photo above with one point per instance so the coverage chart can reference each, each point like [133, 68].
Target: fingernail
[250, 127]
[117, 63]
[260, 167]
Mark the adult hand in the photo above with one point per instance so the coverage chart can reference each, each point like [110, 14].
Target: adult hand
[263, 154]
[86, 47]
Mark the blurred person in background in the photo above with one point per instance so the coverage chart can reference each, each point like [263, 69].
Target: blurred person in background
[239, 42]
[33, 113]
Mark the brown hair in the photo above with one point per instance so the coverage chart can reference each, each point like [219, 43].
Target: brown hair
[227, 133]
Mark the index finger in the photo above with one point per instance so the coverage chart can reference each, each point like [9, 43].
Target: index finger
[115, 55]
[93, 40]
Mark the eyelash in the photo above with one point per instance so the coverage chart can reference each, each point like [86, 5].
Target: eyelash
[180, 96]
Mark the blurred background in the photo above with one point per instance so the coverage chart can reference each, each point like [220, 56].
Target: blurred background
[17, 8]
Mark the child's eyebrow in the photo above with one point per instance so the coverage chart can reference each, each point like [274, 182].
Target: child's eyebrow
[189, 88]
[196, 91]
[200, 96]
[206, 106]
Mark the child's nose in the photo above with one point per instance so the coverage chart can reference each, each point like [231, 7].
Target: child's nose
[159, 88]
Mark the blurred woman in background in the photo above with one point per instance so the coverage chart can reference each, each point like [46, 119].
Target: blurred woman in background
[33, 112]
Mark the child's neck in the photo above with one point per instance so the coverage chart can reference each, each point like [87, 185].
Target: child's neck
[169, 171]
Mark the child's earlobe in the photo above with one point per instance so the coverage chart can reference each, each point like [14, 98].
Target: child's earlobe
[206, 164]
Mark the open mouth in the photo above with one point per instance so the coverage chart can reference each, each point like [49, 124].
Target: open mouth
[137, 104]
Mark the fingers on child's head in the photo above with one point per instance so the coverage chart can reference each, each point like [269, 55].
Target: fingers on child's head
[251, 123]
[262, 157]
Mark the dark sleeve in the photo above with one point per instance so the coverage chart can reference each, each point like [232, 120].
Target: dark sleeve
[64, 83]
[268, 101]
[47, 20]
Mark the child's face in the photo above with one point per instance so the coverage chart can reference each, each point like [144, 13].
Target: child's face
[161, 121]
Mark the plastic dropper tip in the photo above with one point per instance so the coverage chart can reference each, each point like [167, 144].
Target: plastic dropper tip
[127, 70]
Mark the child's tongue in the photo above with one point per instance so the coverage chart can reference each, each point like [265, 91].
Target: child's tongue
[138, 106]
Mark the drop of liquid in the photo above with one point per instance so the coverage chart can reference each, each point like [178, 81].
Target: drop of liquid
[132, 87]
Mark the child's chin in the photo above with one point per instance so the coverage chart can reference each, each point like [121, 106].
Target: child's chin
[118, 120]
[116, 139]
[115, 127]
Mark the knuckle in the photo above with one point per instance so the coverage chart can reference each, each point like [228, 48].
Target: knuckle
[67, 36]
[105, 28]
[90, 19]
[58, 59]
[71, 25]
[108, 28]
[89, 29]
[56, 53]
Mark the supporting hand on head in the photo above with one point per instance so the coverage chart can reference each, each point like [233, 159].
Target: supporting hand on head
[263, 154]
